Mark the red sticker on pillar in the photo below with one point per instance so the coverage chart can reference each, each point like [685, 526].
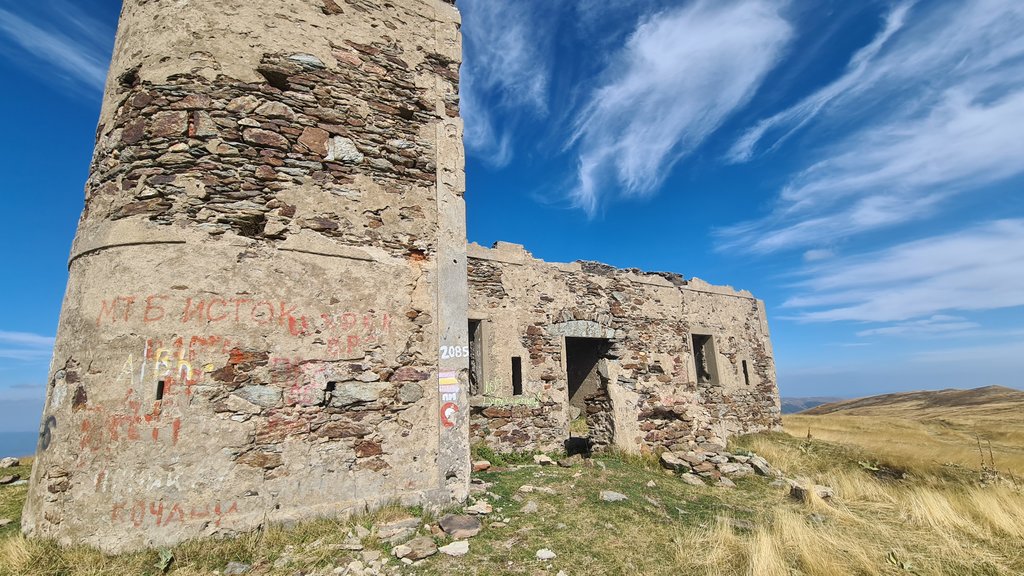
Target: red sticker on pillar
[448, 412]
[448, 386]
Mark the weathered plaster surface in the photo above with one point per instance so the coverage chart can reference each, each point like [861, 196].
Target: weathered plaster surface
[262, 277]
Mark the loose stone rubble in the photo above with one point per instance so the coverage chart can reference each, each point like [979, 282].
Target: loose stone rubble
[695, 465]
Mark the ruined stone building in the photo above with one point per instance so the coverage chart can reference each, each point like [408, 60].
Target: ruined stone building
[272, 312]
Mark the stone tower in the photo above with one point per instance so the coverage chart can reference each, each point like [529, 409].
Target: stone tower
[265, 316]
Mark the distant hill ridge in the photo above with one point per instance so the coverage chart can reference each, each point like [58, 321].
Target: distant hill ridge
[996, 398]
[792, 405]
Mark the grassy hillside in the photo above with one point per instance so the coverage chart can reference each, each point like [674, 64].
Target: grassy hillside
[922, 524]
[930, 430]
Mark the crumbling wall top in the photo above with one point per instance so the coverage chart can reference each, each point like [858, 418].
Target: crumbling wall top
[517, 254]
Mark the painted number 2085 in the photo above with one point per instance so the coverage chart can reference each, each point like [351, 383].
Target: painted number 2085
[454, 352]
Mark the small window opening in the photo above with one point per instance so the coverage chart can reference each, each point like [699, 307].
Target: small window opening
[517, 376]
[704, 359]
[160, 390]
[746, 374]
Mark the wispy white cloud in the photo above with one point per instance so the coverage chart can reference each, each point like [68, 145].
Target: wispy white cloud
[57, 41]
[981, 268]
[680, 75]
[796, 116]
[504, 69]
[25, 346]
[937, 98]
[937, 324]
[818, 254]
[1009, 353]
[25, 339]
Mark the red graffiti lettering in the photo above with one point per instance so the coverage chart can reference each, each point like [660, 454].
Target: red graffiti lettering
[109, 310]
[175, 513]
[157, 510]
[348, 321]
[153, 312]
[209, 310]
[142, 513]
[238, 304]
[191, 311]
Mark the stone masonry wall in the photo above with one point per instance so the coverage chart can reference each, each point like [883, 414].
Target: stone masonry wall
[528, 307]
[254, 310]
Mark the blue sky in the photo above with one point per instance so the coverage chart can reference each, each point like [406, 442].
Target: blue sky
[857, 165]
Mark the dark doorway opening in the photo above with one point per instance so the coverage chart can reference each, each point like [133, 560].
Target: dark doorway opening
[590, 407]
[476, 357]
[582, 356]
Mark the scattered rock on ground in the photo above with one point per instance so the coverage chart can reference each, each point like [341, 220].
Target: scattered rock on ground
[802, 492]
[741, 525]
[459, 526]
[480, 508]
[420, 548]
[691, 479]
[761, 466]
[351, 543]
[371, 555]
[481, 465]
[673, 462]
[570, 461]
[9, 463]
[237, 569]
[543, 460]
[692, 458]
[354, 567]
[457, 548]
[4, 480]
[545, 554]
[736, 469]
[530, 507]
[526, 489]
[651, 484]
[724, 482]
[401, 551]
[399, 529]
[5, 522]
[610, 496]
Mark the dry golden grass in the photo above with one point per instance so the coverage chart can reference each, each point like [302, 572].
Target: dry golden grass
[927, 430]
[930, 524]
[927, 523]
